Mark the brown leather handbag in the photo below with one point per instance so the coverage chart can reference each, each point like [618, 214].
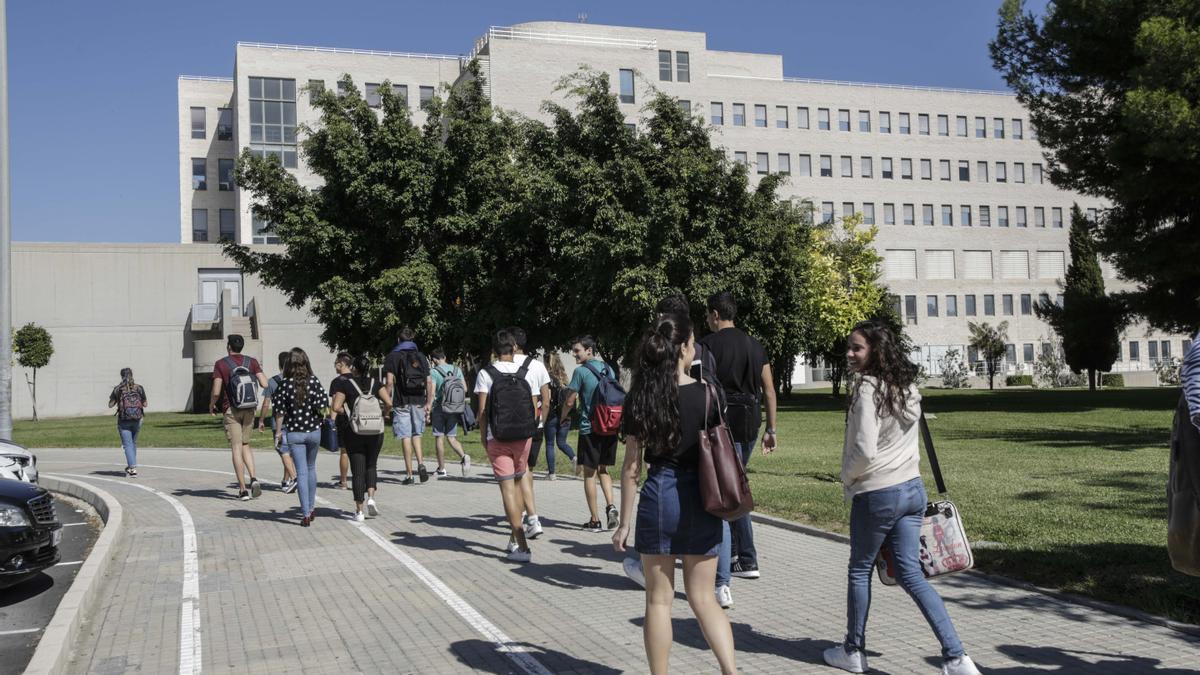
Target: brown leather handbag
[723, 482]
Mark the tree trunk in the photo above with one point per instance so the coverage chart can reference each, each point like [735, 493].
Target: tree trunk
[1091, 379]
[35, 417]
[991, 379]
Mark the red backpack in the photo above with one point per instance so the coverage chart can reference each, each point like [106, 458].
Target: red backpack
[608, 401]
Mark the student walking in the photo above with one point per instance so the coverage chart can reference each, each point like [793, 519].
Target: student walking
[540, 380]
[363, 447]
[409, 378]
[236, 383]
[129, 398]
[507, 423]
[267, 420]
[557, 429]
[596, 452]
[665, 413]
[341, 365]
[449, 400]
[298, 404]
[881, 479]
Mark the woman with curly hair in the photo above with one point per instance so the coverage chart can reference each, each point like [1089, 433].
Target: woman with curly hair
[298, 403]
[665, 412]
[881, 478]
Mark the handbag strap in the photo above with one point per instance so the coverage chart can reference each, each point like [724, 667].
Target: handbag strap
[933, 460]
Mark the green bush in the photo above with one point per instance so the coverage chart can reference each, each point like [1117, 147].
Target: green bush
[1018, 381]
[1115, 380]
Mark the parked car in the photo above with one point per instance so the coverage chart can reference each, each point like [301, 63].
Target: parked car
[17, 462]
[30, 531]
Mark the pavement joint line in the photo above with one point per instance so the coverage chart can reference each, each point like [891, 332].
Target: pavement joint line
[190, 655]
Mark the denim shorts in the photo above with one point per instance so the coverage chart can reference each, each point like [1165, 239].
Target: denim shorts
[408, 420]
[444, 423]
[671, 519]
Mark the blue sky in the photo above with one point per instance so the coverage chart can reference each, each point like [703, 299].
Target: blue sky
[92, 84]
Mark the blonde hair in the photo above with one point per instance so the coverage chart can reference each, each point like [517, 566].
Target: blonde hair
[557, 372]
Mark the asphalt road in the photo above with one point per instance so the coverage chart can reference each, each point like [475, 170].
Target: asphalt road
[26, 609]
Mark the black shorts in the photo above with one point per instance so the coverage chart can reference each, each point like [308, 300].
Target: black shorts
[596, 451]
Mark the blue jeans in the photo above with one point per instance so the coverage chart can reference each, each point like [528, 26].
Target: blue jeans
[129, 432]
[894, 515]
[304, 445]
[723, 556]
[556, 434]
[741, 534]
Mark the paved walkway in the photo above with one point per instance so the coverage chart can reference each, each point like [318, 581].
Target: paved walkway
[424, 589]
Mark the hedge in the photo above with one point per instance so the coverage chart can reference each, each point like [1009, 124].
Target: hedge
[1018, 381]
[1114, 380]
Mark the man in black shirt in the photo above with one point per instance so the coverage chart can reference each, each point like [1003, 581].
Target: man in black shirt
[745, 373]
[409, 377]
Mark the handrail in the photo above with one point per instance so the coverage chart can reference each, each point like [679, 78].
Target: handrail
[343, 50]
[206, 78]
[875, 85]
[510, 33]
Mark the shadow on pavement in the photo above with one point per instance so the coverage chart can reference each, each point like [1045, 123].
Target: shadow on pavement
[209, 493]
[475, 523]
[31, 587]
[444, 543]
[573, 575]
[484, 657]
[117, 474]
[748, 640]
[289, 516]
[1071, 661]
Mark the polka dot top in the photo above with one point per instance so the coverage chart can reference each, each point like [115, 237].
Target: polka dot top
[296, 416]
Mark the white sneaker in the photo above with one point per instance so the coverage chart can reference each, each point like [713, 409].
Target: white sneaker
[359, 517]
[520, 556]
[963, 665]
[633, 570]
[465, 463]
[551, 476]
[724, 597]
[512, 546]
[372, 509]
[854, 662]
[533, 528]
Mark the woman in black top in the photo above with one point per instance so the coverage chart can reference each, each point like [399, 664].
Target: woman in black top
[363, 450]
[298, 403]
[665, 413]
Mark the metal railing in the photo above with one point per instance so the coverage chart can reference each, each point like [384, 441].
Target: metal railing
[874, 85]
[342, 50]
[206, 78]
[510, 33]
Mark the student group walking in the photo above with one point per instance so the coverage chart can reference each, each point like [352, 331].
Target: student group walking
[684, 395]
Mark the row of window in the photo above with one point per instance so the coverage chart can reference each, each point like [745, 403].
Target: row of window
[1154, 348]
[372, 92]
[272, 103]
[887, 168]
[227, 224]
[1000, 127]
[200, 174]
[935, 308]
[966, 214]
[224, 123]
[901, 264]
[682, 69]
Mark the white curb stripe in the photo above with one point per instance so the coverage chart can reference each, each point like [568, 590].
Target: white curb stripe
[21, 631]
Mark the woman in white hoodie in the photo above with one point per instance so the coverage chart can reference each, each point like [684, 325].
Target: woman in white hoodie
[881, 478]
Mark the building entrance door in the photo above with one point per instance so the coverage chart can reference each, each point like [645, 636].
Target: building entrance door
[213, 283]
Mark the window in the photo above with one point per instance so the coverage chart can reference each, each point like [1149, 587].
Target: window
[716, 113]
[228, 225]
[224, 124]
[1002, 216]
[926, 169]
[864, 120]
[804, 165]
[260, 235]
[826, 166]
[784, 163]
[665, 67]
[977, 264]
[964, 215]
[1134, 351]
[1010, 353]
[939, 264]
[964, 170]
[1018, 172]
[931, 305]
[739, 114]
[865, 167]
[1039, 216]
[342, 89]
[199, 173]
[947, 215]
[981, 172]
[373, 98]
[1016, 130]
[1051, 264]
[1006, 304]
[961, 125]
[910, 308]
[1026, 304]
[868, 212]
[969, 301]
[781, 117]
[823, 119]
[760, 116]
[1001, 172]
[273, 119]
[1021, 222]
[1027, 352]
[1037, 174]
[998, 127]
[906, 169]
[1166, 347]
[1092, 217]
[683, 67]
[199, 224]
[739, 157]
[762, 160]
[985, 216]
[904, 125]
[225, 175]
[951, 305]
[198, 130]
[843, 120]
[847, 209]
[400, 91]
[1152, 350]
[847, 166]
[826, 212]
[889, 214]
[1187, 345]
[923, 124]
[315, 89]
[801, 118]
[989, 305]
[885, 167]
[909, 214]
[944, 169]
[927, 214]
[626, 78]
[885, 122]
[1056, 217]
[426, 93]
[1043, 298]
[980, 127]
[944, 130]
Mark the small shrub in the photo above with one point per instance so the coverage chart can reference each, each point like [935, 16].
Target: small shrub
[1113, 380]
[1018, 381]
[1168, 371]
[954, 370]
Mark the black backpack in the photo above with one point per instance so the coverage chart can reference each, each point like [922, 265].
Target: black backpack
[510, 412]
[412, 372]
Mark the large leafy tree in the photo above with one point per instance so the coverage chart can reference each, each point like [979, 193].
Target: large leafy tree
[1112, 89]
[1089, 322]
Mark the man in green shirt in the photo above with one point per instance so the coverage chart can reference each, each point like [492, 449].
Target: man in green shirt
[445, 425]
[596, 453]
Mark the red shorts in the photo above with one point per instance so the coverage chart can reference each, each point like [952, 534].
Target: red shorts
[510, 459]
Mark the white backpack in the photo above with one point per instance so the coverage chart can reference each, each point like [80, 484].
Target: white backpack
[366, 418]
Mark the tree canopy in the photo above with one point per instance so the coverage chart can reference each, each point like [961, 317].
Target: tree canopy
[990, 342]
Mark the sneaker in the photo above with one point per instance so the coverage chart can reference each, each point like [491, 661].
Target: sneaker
[244, 495]
[372, 509]
[633, 570]
[423, 473]
[255, 488]
[614, 518]
[743, 570]
[290, 485]
[439, 473]
[962, 665]
[724, 596]
[408, 480]
[359, 517]
[853, 662]
[593, 526]
[512, 546]
[551, 476]
[520, 556]
[465, 464]
[533, 528]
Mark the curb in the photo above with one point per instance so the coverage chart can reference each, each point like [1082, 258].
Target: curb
[54, 648]
[1118, 610]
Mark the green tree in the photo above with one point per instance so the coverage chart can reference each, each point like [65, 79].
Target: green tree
[1089, 322]
[33, 347]
[989, 341]
[1111, 89]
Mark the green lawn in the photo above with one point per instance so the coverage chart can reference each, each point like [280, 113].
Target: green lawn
[1070, 484]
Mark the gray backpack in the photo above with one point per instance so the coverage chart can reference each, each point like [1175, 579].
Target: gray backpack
[454, 392]
[366, 417]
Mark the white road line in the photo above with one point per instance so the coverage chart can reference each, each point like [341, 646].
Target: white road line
[21, 631]
[73, 562]
[189, 612]
[73, 524]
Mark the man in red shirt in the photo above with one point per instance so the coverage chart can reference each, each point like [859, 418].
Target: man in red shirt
[238, 421]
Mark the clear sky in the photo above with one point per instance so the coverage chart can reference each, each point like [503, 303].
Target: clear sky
[92, 83]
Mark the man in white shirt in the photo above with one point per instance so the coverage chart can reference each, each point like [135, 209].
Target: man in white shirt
[539, 375]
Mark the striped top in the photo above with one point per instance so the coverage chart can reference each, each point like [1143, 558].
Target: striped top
[1189, 375]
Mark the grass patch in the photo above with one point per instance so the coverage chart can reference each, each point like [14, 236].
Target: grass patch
[1070, 483]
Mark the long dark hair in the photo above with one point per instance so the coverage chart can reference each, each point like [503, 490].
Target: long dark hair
[299, 370]
[887, 363]
[652, 405]
[361, 367]
[127, 382]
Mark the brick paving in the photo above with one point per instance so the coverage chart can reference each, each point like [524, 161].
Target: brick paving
[276, 597]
